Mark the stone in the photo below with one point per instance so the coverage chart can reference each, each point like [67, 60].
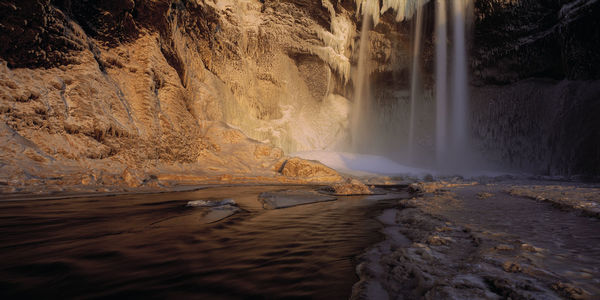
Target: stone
[350, 187]
[504, 247]
[131, 178]
[570, 291]
[484, 195]
[289, 198]
[209, 203]
[511, 267]
[309, 170]
[214, 211]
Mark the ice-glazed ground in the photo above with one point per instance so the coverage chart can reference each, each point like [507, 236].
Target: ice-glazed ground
[491, 240]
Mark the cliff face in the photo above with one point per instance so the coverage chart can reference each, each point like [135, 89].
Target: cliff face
[515, 40]
[536, 89]
[114, 88]
[107, 90]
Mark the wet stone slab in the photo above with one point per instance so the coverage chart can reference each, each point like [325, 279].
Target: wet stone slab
[214, 211]
[289, 198]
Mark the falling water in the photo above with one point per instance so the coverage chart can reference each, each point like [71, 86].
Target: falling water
[414, 90]
[360, 109]
[441, 88]
[450, 120]
[459, 83]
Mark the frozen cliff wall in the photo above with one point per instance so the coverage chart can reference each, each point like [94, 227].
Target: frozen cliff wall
[536, 84]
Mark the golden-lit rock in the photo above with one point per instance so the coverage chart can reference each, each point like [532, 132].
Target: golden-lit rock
[131, 178]
[351, 187]
[511, 267]
[312, 171]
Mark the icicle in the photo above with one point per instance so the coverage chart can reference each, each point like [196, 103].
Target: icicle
[368, 8]
[405, 9]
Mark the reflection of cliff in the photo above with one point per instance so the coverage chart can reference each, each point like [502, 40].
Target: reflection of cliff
[147, 84]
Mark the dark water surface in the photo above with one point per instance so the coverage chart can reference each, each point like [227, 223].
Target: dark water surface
[153, 246]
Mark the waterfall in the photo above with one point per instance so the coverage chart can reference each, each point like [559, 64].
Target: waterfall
[441, 87]
[361, 106]
[414, 87]
[452, 142]
[459, 127]
[440, 130]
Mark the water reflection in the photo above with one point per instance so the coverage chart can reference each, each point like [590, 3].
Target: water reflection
[153, 246]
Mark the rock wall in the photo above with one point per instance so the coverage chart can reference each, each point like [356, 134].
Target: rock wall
[536, 85]
[94, 91]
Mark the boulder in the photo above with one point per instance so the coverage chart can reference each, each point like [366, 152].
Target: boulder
[312, 171]
[288, 198]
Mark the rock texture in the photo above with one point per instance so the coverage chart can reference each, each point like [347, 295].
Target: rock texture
[138, 92]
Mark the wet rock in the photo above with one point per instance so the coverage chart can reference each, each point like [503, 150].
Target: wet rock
[289, 198]
[431, 187]
[131, 178]
[512, 267]
[484, 195]
[530, 248]
[209, 203]
[443, 229]
[214, 211]
[570, 291]
[313, 171]
[415, 188]
[438, 240]
[350, 187]
[504, 247]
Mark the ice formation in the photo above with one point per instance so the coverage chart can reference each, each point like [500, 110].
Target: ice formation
[336, 42]
[404, 9]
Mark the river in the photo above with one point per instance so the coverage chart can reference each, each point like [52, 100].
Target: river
[153, 246]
